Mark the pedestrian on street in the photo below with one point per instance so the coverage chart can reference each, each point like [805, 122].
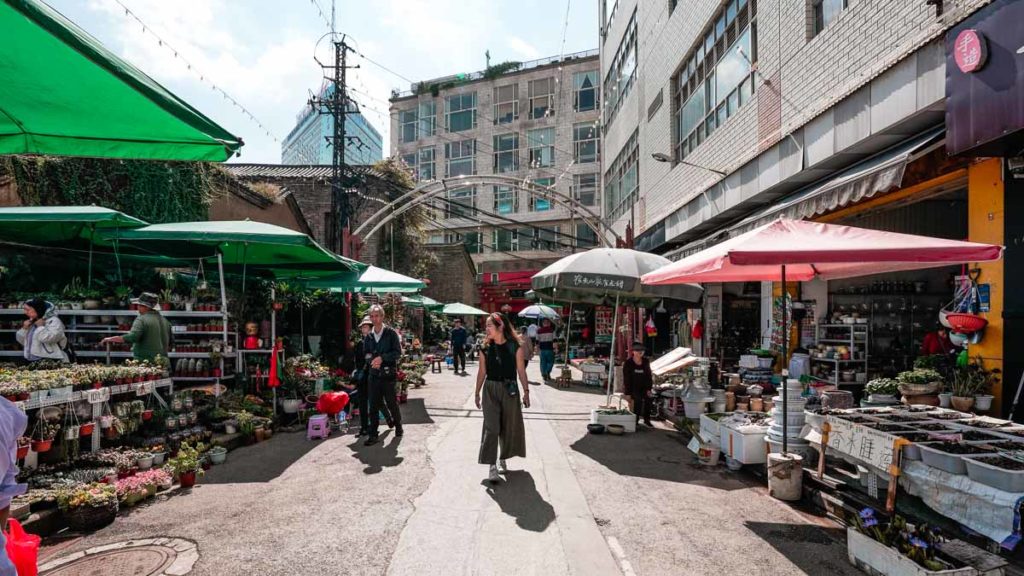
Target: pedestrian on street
[382, 348]
[459, 337]
[531, 331]
[546, 343]
[150, 335]
[42, 334]
[12, 426]
[638, 381]
[501, 365]
[524, 340]
[360, 375]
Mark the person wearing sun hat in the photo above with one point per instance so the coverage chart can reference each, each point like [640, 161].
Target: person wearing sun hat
[150, 335]
[638, 381]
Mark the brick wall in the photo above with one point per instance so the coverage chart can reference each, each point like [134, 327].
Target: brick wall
[812, 74]
[453, 276]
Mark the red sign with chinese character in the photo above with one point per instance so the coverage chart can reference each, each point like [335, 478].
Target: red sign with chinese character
[970, 51]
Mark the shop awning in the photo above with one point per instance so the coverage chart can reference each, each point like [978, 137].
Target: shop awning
[70, 227]
[247, 247]
[64, 93]
[880, 173]
[372, 280]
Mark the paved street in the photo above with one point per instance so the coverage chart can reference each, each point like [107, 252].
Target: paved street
[578, 504]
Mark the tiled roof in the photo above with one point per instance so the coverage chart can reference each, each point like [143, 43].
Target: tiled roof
[280, 170]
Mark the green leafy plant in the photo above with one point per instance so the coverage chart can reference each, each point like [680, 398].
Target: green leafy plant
[187, 460]
[887, 386]
[973, 379]
[94, 495]
[915, 542]
[919, 376]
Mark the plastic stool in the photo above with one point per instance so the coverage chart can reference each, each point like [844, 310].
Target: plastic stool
[319, 427]
[435, 365]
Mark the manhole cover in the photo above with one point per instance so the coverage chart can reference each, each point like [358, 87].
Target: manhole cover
[134, 558]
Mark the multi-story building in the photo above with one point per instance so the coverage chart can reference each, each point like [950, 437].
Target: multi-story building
[308, 143]
[722, 115]
[536, 122]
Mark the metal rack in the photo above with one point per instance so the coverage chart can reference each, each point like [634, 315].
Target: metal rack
[857, 337]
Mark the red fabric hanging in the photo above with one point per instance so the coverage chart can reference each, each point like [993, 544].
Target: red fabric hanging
[698, 330]
[275, 370]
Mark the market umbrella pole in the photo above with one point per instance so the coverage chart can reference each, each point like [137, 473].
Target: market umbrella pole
[785, 369]
[224, 313]
[611, 353]
[568, 326]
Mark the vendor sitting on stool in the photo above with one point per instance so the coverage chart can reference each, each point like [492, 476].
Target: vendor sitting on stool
[938, 342]
[636, 375]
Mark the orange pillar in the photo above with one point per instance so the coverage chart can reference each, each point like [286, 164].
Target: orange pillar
[986, 211]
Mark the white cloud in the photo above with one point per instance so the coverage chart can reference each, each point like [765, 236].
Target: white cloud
[522, 48]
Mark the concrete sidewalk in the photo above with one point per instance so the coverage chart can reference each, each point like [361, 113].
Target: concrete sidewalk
[537, 521]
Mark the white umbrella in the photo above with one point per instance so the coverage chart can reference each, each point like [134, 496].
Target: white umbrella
[539, 311]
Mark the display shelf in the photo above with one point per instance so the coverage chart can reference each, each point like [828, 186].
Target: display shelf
[857, 335]
[80, 395]
[838, 341]
[844, 326]
[834, 360]
[169, 313]
[201, 378]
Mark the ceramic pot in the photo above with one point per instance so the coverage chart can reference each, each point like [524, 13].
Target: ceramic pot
[730, 402]
[983, 402]
[944, 399]
[188, 479]
[962, 403]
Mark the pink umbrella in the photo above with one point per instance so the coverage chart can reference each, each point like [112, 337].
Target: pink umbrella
[799, 250]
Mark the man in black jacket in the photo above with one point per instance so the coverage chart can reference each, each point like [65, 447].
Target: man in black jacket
[383, 348]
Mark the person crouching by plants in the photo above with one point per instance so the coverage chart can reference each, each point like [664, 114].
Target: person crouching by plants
[502, 362]
[42, 334]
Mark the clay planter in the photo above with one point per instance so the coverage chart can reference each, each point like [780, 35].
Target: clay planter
[110, 433]
[188, 479]
[962, 403]
[22, 451]
[260, 435]
[924, 399]
[41, 446]
[86, 429]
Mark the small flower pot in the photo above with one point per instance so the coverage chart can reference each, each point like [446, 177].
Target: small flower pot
[962, 403]
[158, 458]
[106, 422]
[41, 446]
[22, 451]
[71, 432]
[188, 479]
[218, 455]
[944, 399]
[24, 396]
[147, 415]
[86, 429]
[110, 433]
[983, 402]
[145, 462]
[230, 429]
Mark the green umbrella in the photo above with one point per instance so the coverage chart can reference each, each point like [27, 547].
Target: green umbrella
[372, 280]
[460, 309]
[421, 301]
[64, 93]
[252, 247]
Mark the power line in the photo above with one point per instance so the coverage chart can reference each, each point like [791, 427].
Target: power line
[316, 6]
[202, 77]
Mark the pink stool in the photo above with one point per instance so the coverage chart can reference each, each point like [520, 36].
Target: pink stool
[318, 427]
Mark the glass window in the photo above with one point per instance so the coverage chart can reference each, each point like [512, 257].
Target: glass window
[584, 188]
[506, 153]
[460, 112]
[426, 164]
[585, 91]
[707, 92]
[460, 158]
[506, 104]
[825, 11]
[541, 143]
[539, 202]
[410, 161]
[428, 118]
[586, 142]
[407, 125]
[472, 242]
[506, 240]
[622, 180]
[585, 236]
[546, 238]
[461, 202]
[506, 199]
[542, 97]
[621, 74]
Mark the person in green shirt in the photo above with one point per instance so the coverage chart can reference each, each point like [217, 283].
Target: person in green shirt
[150, 335]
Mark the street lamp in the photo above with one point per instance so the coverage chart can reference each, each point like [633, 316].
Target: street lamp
[662, 157]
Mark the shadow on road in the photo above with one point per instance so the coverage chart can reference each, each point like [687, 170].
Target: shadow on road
[415, 412]
[379, 456]
[577, 387]
[261, 462]
[654, 454]
[814, 549]
[518, 497]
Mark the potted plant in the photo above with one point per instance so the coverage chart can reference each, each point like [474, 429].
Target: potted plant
[987, 380]
[218, 454]
[88, 507]
[896, 547]
[24, 443]
[920, 385]
[86, 429]
[966, 383]
[186, 464]
[46, 431]
[882, 390]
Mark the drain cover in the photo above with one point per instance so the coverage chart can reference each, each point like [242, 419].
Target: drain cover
[134, 558]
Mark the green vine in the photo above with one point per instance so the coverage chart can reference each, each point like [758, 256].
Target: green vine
[154, 191]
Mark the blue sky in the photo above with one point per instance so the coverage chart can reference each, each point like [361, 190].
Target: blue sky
[261, 51]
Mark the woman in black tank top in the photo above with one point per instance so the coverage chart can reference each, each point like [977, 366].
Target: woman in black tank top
[502, 367]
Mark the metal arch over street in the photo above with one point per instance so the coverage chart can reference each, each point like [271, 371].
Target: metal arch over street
[431, 189]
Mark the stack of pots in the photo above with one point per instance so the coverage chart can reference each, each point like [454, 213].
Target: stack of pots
[793, 417]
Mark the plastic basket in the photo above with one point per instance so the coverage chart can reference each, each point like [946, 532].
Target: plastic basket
[965, 323]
